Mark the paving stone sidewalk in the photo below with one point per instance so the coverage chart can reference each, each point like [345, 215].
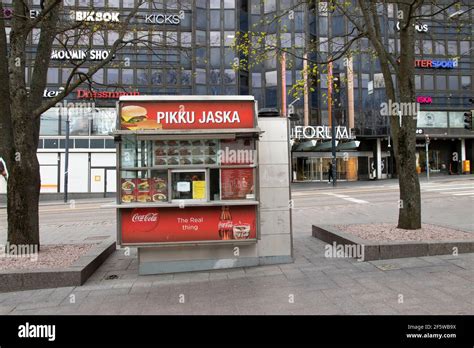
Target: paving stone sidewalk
[312, 284]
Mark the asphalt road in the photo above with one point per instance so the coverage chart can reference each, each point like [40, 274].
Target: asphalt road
[445, 201]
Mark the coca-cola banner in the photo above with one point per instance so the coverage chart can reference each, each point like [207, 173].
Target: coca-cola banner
[158, 115]
[167, 225]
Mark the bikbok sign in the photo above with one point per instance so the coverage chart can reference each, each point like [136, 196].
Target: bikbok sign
[95, 16]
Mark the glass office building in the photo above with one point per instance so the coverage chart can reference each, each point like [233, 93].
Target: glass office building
[184, 47]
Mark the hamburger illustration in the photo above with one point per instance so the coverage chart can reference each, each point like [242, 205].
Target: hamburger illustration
[134, 117]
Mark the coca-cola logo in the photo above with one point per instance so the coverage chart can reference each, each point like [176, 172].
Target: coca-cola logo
[225, 224]
[143, 220]
[150, 217]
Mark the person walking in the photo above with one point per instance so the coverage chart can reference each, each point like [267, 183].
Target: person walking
[3, 171]
[330, 173]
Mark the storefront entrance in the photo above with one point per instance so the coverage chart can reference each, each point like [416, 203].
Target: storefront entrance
[316, 168]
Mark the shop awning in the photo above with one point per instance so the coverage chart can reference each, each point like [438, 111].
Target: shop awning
[350, 145]
[184, 134]
[313, 146]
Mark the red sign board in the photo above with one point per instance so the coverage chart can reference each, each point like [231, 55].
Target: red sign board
[187, 115]
[193, 224]
[424, 100]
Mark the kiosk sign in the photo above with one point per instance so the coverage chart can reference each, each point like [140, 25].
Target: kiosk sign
[187, 115]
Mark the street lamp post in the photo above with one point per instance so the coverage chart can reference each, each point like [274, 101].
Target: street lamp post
[427, 143]
[291, 108]
[66, 159]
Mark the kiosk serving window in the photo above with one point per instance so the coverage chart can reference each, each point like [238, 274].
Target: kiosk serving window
[223, 169]
[187, 170]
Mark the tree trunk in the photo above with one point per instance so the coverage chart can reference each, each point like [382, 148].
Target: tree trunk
[409, 216]
[23, 197]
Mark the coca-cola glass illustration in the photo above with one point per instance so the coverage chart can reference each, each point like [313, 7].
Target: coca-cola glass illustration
[241, 231]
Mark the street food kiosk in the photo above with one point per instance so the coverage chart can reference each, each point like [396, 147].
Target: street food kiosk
[188, 183]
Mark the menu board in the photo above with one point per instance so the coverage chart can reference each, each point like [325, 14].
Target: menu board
[128, 188]
[237, 183]
[159, 186]
[145, 190]
[192, 152]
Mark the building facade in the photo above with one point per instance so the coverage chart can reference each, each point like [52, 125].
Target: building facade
[185, 47]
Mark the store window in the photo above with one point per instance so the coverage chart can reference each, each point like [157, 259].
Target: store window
[114, 3]
[428, 82]
[127, 76]
[452, 48]
[466, 82]
[229, 19]
[440, 82]
[50, 122]
[215, 38]
[453, 82]
[456, 119]
[112, 76]
[103, 121]
[271, 78]
[53, 75]
[432, 119]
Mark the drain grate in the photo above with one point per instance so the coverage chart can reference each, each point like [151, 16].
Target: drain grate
[111, 277]
[97, 238]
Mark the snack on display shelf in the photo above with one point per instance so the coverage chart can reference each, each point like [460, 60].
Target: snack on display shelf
[172, 151]
[144, 198]
[159, 197]
[160, 161]
[128, 198]
[143, 185]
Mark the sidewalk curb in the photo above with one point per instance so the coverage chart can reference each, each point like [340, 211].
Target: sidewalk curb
[392, 250]
[74, 275]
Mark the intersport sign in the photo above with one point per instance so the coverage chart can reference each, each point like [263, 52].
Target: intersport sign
[94, 16]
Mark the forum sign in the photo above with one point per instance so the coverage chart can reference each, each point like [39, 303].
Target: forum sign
[320, 132]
